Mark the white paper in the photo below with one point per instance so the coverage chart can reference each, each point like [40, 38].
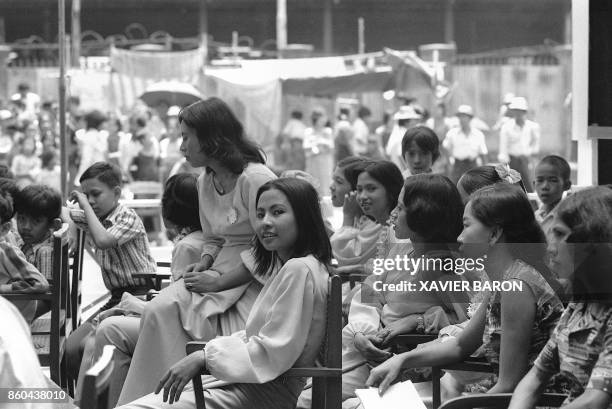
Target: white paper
[402, 395]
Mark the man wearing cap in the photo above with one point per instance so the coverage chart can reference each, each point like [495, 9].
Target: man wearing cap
[519, 140]
[405, 118]
[465, 144]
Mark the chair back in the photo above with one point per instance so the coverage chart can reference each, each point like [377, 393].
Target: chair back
[498, 400]
[332, 346]
[76, 268]
[97, 381]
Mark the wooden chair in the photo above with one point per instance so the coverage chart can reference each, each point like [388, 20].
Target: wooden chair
[49, 334]
[155, 280]
[97, 381]
[327, 378]
[76, 268]
[498, 400]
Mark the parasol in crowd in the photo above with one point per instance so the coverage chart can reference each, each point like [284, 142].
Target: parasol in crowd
[172, 93]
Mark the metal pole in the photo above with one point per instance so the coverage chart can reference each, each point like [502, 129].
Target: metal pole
[62, 95]
[328, 26]
[361, 35]
[281, 25]
[76, 33]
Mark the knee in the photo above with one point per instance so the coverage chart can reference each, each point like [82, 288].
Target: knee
[108, 331]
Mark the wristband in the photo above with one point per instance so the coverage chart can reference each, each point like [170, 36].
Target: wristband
[420, 328]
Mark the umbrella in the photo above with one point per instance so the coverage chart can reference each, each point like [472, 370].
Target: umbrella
[172, 93]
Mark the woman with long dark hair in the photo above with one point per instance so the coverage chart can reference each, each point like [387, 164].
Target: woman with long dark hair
[513, 326]
[287, 323]
[198, 307]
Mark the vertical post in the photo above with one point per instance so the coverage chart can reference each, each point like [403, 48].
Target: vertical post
[2, 30]
[587, 147]
[281, 26]
[328, 18]
[203, 18]
[75, 33]
[62, 94]
[361, 35]
[449, 22]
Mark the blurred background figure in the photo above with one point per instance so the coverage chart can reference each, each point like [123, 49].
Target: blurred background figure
[519, 140]
[93, 141]
[170, 145]
[361, 130]
[465, 144]
[405, 118]
[343, 136]
[440, 124]
[318, 148]
[292, 142]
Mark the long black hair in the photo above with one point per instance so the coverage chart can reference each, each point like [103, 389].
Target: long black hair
[387, 174]
[221, 134]
[312, 236]
[434, 209]
[507, 207]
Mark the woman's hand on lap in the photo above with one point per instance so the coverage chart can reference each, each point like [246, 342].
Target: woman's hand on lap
[180, 374]
[202, 281]
[366, 346]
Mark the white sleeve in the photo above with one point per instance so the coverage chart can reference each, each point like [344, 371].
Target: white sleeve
[280, 341]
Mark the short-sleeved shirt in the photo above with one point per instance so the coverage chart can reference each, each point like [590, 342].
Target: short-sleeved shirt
[41, 255]
[131, 255]
[462, 146]
[548, 310]
[580, 348]
[545, 218]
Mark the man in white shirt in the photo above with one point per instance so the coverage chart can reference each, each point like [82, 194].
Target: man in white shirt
[465, 144]
[519, 140]
[31, 100]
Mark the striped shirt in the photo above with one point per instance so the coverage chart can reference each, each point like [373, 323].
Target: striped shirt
[16, 274]
[131, 255]
[41, 255]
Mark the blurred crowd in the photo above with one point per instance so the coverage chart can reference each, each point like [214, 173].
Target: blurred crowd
[316, 143]
[144, 143]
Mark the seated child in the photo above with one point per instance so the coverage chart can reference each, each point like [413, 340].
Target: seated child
[16, 274]
[38, 209]
[119, 325]
[120, 241]
[552, 178]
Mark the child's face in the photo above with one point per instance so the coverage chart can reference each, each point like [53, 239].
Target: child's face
[102, 198]
[29, 146]
[32, 229]
[339, 187]
[372, 197]
[418, 160]
[549, 184]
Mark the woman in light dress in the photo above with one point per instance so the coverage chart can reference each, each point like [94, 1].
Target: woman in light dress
[194, 308]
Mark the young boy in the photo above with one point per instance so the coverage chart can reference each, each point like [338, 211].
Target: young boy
[552, 178]
[120, 241]
[116, 232]
[38, 211]
[16, 274]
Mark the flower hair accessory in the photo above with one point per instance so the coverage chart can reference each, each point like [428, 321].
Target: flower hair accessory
[507, 174]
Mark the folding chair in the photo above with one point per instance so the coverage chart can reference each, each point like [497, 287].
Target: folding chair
[49, 334]
[327, 378]
[97, 381]
[498, 400]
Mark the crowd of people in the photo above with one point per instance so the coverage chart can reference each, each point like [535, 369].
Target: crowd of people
[314, 145]
[253, 253]
[144, 143]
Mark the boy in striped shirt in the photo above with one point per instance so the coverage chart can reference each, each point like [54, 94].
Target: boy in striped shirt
[16, 274]
[121, 246]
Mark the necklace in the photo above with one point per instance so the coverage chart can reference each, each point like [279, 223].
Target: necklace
[219, 185]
